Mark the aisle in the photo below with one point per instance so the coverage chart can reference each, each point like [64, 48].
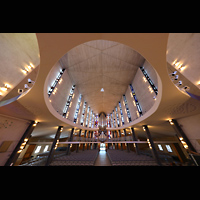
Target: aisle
[102, 159]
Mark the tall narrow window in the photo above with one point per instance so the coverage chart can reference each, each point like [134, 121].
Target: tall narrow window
[108, 121]
[58, 80]
[169, 149]
[111, 119]
[117, 116]
[77, 108]
[136, 103]
[93, 116]
[96, 120]
[149, 80]
[38, 149]
[114, 122]
[122, 117]
[91, 113]
[127, 109]
[88, 110]
[68, 102]
[83, 112]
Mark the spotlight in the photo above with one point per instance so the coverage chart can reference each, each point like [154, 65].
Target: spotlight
[30, 81]
[26, 86]
[176, 77]
[180, 83]
[173, 74]
[20, 91]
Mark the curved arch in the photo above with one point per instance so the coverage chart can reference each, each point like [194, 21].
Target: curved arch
[183, 62]
[107, 46]
[20, 59]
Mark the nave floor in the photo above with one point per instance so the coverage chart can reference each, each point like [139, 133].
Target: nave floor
[103, 158]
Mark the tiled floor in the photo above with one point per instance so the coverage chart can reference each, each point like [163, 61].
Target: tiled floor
[102, 159]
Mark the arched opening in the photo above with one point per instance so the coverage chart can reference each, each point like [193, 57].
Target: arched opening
[101, 76]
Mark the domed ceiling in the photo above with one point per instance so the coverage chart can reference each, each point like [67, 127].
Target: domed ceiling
[102, 70]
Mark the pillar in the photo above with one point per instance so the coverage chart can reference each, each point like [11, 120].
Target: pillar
[113, 135]
[91, 139]
[181, 133]
[15, 154]
[116, 144]
[88, 139]
[84, 137]
[70, 139]
[57, 136]
[77, 147]
[127, 145]
[154, 152]
[120, 137]
[135, 139]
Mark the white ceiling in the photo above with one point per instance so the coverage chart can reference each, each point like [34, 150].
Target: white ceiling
[102, 64]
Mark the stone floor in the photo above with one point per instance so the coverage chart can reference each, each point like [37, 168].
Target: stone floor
[102, 159]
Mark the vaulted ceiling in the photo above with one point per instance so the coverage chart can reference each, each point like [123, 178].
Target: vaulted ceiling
[102, 64]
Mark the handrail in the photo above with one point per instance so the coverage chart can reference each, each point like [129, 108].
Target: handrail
[192, 152]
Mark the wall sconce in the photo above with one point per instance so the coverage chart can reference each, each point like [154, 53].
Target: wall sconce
[149, 144]
[183, 143]
[23, 145]
[170, 121]
[178, 65]
[56, 145]
[28, 69]
[5, 87]
[35, 124]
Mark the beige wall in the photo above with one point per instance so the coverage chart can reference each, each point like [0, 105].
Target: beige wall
[185, 48]
[190, 126]
[17, 51]
[12, 130]
[142, 92]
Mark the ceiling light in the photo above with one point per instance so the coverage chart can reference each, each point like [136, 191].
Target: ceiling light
[102, 90]
[170, 121]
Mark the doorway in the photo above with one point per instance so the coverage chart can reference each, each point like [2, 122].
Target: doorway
[102, 147]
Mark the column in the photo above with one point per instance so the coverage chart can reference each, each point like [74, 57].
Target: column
[181, 133]
[116, 144]
[88, 139]
[113, 136]
[70, 139]
[154, 152]
[127, 145]
[77, 147]
[135, 139]
[24, 139]
[84, 137]
[120, 138]
[57, 136]
[91, 139]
